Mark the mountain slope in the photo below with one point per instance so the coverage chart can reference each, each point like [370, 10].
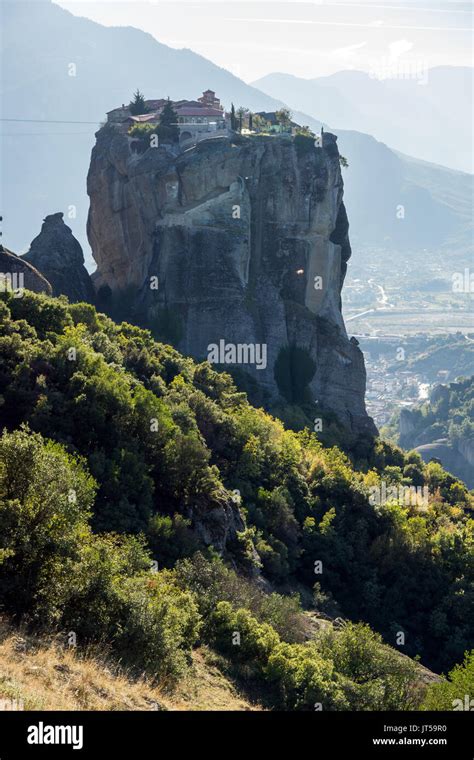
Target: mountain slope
[149, 442]
[433, 108]
[61, 67]
[395, 200]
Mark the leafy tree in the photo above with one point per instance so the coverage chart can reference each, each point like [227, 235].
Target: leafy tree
[170, 538]
[55, 572]
[45, 502]
[360, 655]
[259, 123]
[46, 315]
[283, 117]
[306, 132]
[241, 113]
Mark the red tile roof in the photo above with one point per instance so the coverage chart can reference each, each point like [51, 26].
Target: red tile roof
[201, 111]
[201, 107]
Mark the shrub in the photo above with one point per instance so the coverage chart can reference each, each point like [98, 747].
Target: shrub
[45, 502]
[57, 573]
[304, 679]
[156, 626]
[211, 581]
[143, 131]
[171, 538]
[339, 670]
[144, 618]
[238, 634]
[382, 678]
[456, 692]
[85, 313]
[46, 315]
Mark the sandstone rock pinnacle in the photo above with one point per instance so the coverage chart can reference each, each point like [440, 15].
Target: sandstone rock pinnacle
[246, 241]
[57, 254]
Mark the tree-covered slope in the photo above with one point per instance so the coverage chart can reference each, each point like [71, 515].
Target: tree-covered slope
[433, 355]
[448, 414]
[120, 455]
[441, 428]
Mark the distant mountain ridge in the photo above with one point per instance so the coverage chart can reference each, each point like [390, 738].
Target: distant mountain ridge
[59, 67]
[427, 114]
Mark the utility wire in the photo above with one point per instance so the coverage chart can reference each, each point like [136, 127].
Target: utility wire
[51, 121]
[43, 134]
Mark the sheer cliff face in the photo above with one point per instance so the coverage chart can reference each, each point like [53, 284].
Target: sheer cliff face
[249, 242]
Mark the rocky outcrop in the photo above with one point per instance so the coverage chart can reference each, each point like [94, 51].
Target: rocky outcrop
[58, 255]
[217, 523]
[407, 424]
[453, 456]
[465, 446]
[232, 243]
[16, 274]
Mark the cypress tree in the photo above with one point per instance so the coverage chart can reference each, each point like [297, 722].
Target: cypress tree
[168, 129]
[233, 118]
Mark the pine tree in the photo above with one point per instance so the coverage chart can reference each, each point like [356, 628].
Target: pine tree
[137, 105]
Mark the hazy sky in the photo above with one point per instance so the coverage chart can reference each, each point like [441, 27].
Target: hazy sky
[307, 39]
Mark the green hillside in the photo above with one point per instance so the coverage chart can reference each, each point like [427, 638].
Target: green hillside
[148, 507]
[431, 355]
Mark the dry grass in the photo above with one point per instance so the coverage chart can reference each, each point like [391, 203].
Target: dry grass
[207, 688]
[43, 674]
